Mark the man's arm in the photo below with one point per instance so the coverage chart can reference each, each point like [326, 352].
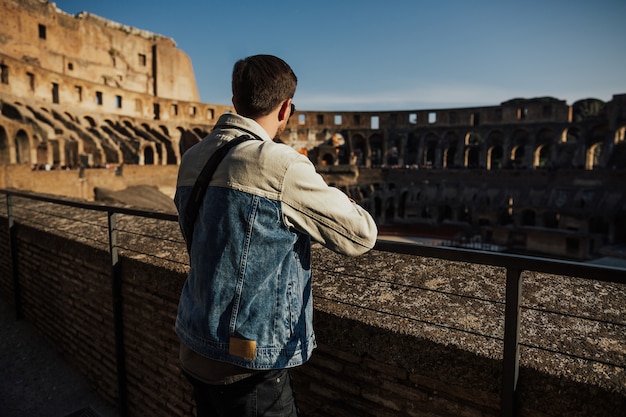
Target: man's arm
[325, 213]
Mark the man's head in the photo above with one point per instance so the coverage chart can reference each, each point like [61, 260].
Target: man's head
[260, 84]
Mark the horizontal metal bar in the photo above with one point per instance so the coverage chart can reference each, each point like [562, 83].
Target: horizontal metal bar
[506, 260]
[92, 206]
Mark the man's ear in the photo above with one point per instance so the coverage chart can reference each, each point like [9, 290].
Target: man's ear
[285, 110]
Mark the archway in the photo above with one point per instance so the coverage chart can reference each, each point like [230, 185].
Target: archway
[22, 148]
[430, 154]
[519, 140]
[494, 157]
[472, 157]
[5, 154]
[359, 150]
[541, 158]
[148, 155]
[495, 150]
[592, 159]
[412, 150]
[377, 151]
[517, 156]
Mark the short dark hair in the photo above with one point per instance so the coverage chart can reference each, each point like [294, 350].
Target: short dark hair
[260, 83]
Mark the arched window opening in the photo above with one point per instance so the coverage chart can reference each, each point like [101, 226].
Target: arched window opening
[517, 156]
[376, 146]
[148, 155]
[593, 156]
[472, 157]
[359, 150]
[494, 157]
[542, 157]
[22, 148]
[5, 155]
[412, 149]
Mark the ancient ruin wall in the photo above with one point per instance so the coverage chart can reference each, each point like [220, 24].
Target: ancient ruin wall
[86, 47]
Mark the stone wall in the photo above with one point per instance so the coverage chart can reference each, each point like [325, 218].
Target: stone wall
[80, 184]
[88, 47]
[377, 355]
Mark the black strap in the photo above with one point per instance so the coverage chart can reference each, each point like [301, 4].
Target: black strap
[201, 184]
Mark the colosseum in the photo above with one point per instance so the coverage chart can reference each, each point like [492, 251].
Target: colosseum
[90, 104]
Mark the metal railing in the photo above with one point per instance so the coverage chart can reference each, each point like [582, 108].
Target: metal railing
[513, 264]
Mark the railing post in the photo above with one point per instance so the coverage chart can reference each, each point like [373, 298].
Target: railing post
[116, 290]
[17, 289]
[510, 363]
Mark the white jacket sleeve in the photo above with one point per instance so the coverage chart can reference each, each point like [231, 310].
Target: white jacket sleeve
[325, 213]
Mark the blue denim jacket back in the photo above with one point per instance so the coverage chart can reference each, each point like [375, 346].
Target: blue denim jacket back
[248, 299]
[252, 282]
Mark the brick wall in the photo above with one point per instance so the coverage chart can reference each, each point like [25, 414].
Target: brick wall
[359, 369]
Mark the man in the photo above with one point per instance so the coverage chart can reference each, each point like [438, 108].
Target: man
[245, 311]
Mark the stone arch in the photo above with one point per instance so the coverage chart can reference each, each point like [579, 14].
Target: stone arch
[377, 149]
[473, 139]
[392, 156]
[327, 158]
[541, 157]
[450, 141]
[22, 144]
[431, 141]
[71, 117]
[148, 154]
[172, 147]
[358, 150]
[519, 141]
[473, 142]
[91, 121]
[411, 154]
[11, 112]
[494, 157]
[472, 157]
[592, 157]
[185, 138]
[517, 156]
[598, 133]
[495, 150]
[5, 151]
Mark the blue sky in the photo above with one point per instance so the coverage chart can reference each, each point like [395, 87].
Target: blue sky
[396, 54]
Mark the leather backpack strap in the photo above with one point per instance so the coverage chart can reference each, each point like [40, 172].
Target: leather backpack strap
[201, 184]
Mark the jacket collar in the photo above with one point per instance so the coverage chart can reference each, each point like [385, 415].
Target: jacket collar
[235, 121]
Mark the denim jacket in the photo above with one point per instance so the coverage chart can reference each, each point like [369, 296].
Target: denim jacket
[247, 299]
